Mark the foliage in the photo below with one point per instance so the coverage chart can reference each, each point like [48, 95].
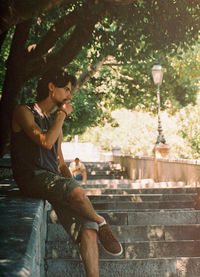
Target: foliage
[5, 49]
[189, 119]
[86, 112]
[137, 132]
[77, 34]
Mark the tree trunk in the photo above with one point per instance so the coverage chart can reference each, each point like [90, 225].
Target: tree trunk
[9, 100]
[13, 83]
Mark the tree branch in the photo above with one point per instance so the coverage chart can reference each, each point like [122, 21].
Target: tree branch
[51, 37]
[70, 48]
[87, 74]
[17, 49]
[64, 56]
[13, 12]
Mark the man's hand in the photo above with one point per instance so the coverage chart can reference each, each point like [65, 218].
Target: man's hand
[67, 107]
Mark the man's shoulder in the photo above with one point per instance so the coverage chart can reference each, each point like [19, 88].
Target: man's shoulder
[21, 107]
[82, 165]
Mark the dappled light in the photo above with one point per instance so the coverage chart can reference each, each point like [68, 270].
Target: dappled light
[151, 219]
[113, 121]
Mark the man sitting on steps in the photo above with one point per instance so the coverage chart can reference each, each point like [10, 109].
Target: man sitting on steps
[78, 170]
[40, 171]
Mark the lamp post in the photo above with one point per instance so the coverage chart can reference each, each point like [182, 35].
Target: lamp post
[160, 147]
[157, 73]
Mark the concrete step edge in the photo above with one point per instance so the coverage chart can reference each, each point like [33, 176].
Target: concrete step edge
[134, 250]
[174, 267]
[135, 260]
[132, 233]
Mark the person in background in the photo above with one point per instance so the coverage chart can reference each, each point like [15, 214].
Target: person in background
[78, 170]
[40, 171]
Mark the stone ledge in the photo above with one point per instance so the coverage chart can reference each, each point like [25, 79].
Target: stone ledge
[23, 233]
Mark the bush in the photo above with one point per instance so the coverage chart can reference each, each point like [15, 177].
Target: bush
[137, 133]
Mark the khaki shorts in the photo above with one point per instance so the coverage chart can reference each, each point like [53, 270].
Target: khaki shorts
[56, 189]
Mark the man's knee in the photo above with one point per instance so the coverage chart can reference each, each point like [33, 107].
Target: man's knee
[77, 195]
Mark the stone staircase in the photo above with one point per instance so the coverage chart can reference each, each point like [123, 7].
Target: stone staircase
[103, 170]
[155, 222]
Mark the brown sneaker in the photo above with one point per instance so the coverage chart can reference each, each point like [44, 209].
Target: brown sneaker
[109, 242]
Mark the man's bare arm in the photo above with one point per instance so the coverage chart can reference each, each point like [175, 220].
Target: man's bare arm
[23, 119]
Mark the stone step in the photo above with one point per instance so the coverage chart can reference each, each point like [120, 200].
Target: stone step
[105, 174]
[122, 205]
[102, 170]
[133, 233]
[142, 197]
[108, 176]
[146, 217]
[149, 183]
[95, 165]
[132, 250]
[161, 217]
[128, 191]
[156, 224]
[98, 166]
[105, 171]
[160, 267]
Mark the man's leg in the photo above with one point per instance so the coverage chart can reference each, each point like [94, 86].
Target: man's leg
[82, 232]
[68, 192]
[84, 175]
[80, 203]
[89, 252]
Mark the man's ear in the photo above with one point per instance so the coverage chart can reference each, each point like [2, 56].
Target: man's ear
[51, 86]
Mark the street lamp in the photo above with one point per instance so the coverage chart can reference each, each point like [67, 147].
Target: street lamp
[157, 73]
[160, 147]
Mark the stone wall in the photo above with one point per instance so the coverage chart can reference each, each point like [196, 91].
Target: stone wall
[187, 171]
[23, 233]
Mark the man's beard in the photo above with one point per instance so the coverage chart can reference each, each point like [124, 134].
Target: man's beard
[60, 103]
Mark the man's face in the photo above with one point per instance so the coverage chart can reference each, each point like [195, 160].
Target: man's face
[77, 161]
[61, 95]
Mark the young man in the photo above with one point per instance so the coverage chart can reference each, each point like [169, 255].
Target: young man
[78, 170]
[40, 171]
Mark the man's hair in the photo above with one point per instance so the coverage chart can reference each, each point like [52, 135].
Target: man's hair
[58, 77]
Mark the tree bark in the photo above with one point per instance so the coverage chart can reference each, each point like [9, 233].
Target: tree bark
[13, 83]
[13, 12]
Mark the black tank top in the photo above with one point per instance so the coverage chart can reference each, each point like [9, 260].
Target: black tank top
[27, 156]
